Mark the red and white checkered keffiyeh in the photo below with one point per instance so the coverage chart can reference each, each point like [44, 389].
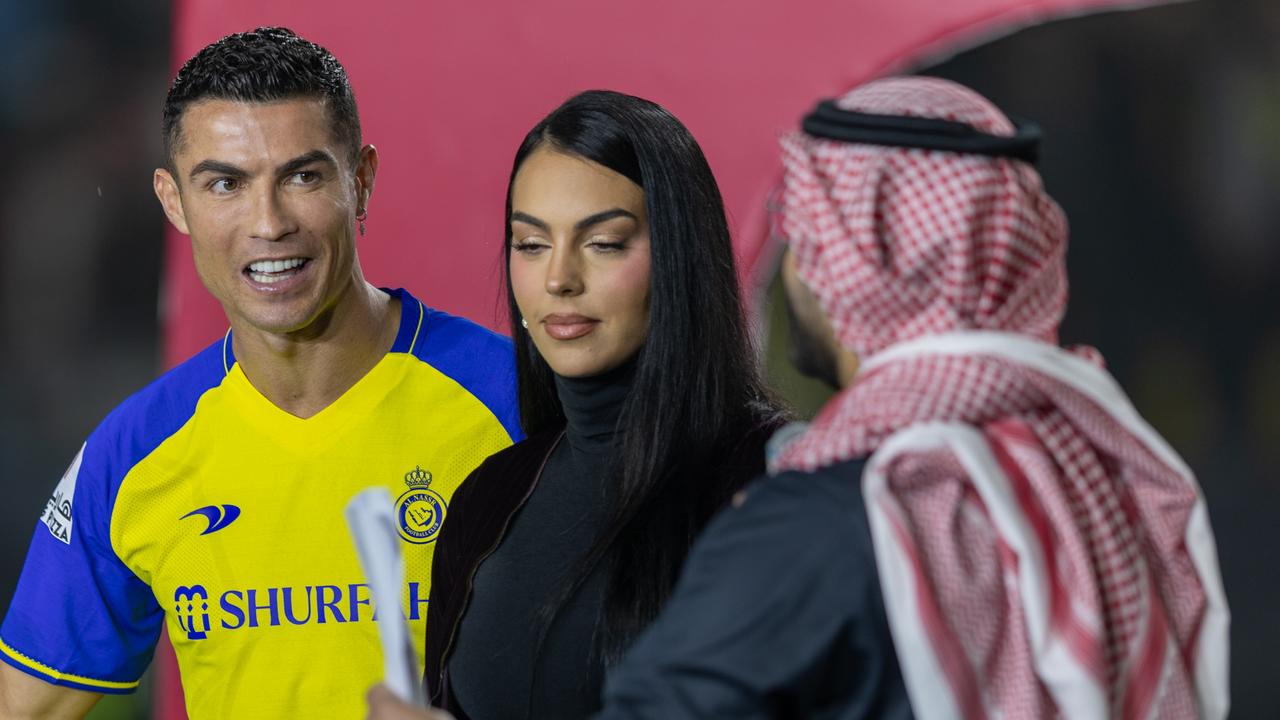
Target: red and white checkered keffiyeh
[1043, 552]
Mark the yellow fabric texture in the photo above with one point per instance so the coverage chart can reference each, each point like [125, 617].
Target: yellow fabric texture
[269, 614]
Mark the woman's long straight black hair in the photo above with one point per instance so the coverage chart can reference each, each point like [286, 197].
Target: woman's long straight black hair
[697, 390]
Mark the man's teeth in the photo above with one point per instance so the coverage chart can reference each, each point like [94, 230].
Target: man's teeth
[274, 266]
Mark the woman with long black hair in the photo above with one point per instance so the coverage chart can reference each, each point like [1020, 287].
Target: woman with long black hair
[641, 401]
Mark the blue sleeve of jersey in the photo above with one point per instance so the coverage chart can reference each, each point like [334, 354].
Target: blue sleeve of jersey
[479, 360]
[80, 617]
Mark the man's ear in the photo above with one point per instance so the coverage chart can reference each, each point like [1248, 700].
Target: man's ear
[166, 187]
[366, 172]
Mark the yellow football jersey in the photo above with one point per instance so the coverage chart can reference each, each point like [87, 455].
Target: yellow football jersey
[201, 505]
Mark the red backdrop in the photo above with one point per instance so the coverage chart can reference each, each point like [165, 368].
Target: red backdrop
[447, 90]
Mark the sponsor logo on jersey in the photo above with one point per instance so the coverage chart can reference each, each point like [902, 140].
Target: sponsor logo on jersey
[420, 510]
[191, 604]
[252, 608]
[57, 512]
[219, 516]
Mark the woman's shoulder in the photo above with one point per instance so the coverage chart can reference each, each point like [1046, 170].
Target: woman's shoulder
[501, 473]
[533, 448]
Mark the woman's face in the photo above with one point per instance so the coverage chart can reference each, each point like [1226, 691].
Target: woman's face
[579, 262]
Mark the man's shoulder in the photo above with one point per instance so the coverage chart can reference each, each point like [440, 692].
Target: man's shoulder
[175, 391]
[124, 439]
[443, 336]
[479, 360]
[430, 334]
[142, 421]
[836, 486]
[824, 506]
[465, 327]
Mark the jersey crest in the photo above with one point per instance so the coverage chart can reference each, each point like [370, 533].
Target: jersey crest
[420, 510]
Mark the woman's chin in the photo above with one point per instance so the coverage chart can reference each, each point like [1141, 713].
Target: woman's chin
[583, 364]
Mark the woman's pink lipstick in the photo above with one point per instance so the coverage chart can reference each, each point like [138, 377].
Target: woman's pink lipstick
[568, 327]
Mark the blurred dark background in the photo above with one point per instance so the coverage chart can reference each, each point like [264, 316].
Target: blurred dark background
[80, 242]
[1162, 143]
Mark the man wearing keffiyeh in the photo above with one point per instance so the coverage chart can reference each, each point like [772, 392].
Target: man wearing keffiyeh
[1040, 550]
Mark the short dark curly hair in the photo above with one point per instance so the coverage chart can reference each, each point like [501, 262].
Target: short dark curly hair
[263, 65]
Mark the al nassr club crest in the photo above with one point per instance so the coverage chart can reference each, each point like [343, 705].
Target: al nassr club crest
[420, 510]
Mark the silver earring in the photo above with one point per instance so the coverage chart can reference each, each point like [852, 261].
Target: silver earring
[524, 323]
[362, 216]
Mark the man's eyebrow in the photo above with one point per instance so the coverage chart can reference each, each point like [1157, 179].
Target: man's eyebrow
[582, 224]
[221, 168]
[315, 156]
[214, 166]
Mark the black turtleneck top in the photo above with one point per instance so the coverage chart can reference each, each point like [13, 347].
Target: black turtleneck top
[497, 669]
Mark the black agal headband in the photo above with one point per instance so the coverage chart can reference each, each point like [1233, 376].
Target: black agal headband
[832, 122]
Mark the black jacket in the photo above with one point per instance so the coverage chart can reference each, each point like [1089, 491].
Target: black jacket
[479, 514]
[778, 614]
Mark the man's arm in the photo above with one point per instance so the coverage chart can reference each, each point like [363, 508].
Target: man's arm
[777, 614]
[23, 697]
[80, 621]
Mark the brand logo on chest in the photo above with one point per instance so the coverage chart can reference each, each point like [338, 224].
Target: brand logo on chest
[219, 516]
[202, 612]
[191, 605]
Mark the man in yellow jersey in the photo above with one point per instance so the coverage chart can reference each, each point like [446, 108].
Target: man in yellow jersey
[210, 502]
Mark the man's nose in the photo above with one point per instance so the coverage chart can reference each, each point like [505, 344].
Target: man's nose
[269, 218]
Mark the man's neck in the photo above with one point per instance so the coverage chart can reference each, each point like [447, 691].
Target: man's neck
[846, 367]
[304, 374]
